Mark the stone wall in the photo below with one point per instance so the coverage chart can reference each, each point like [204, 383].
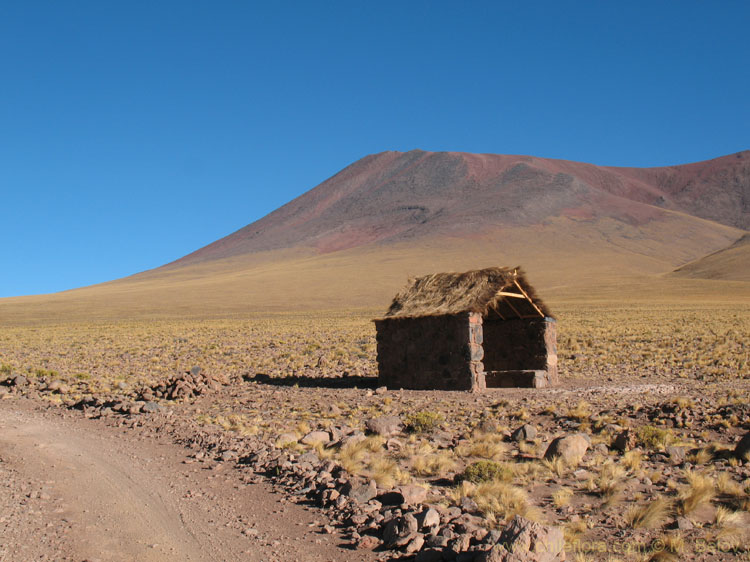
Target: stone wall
[439, 352]
[452, 352]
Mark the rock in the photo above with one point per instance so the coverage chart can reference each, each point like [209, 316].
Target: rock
[524, 433]
[384, 425]
[415, 544]
[316, 437]
[19, 380]
[368, 542]
[469, 505]
[308, 457]
[742, 450]
[624, 441]
[151, 407]
[228, 456]
[442, 439]
[571, 448]
[525, 541]
[353, 439]
[393, 444]
[287, 438]
[413, 495]
[361, 493]
[54, 386]
[428, 518]
[381, 390]
[460, 543]
[400, 531]
[437, 541]
[683, 524]
[195, 371]
[677, 455]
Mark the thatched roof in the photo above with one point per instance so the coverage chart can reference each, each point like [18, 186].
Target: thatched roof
[503, 290]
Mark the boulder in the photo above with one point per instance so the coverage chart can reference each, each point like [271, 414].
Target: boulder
[428, 518]
[361, 493]
[315, 437]
[413, 495]
[526, 432]
[400, 531]
[384, 425]
[525, 541]
[571, 448]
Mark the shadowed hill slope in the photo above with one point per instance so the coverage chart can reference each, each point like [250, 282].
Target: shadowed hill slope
[579, 230]
[732, 263]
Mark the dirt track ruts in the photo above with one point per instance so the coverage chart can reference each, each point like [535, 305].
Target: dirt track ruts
[75, 489]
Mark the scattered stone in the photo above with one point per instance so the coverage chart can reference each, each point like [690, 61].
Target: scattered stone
[287, 439]
[151, 407]
[469, 505]
[526, 432]
[401, 530]
[381, 390]
[367, 542]
[361, 493]
[683, 524]
[428, 518]
[526, 541]
[315, 437]
[676, 454]
[54, 386]
[19, 380]
[384, 425]
[413, 495]
[571, 448]
[415, 544]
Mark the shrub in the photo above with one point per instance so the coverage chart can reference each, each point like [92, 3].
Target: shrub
[487, 471]
[655, 437]
[421, 422]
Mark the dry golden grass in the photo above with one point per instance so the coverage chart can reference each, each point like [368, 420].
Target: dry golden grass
[699, 491]
[609, 483]
[498, 501]
[562, 496]
[437, 464]
[488, 446]
[652, 515]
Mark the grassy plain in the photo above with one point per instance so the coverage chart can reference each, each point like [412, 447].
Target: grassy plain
[676, 375]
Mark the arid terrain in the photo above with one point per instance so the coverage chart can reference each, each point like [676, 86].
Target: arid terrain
[661, 392]
[226, 406]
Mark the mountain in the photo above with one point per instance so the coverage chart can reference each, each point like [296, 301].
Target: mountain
[581, 231]
[394, 196]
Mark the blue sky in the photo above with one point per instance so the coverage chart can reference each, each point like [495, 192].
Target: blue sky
[132, 133]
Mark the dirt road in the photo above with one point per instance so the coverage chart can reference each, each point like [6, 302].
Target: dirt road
[75, 489]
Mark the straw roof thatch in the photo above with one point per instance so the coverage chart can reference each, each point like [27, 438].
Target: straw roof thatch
[504, 290]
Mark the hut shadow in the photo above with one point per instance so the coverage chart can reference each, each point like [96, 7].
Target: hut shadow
[314, 382]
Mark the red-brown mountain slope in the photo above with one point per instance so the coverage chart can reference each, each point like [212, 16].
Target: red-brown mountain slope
[394, 196]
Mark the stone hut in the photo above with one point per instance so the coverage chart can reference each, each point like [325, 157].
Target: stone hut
[467, 331]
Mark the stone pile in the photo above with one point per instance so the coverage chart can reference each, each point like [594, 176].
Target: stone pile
[186, 385]
[396, 519]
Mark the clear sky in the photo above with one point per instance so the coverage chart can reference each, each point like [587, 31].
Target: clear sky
[132, 133]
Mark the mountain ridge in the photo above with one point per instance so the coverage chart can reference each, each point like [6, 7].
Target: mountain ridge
[581, 231]
[384, 196]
